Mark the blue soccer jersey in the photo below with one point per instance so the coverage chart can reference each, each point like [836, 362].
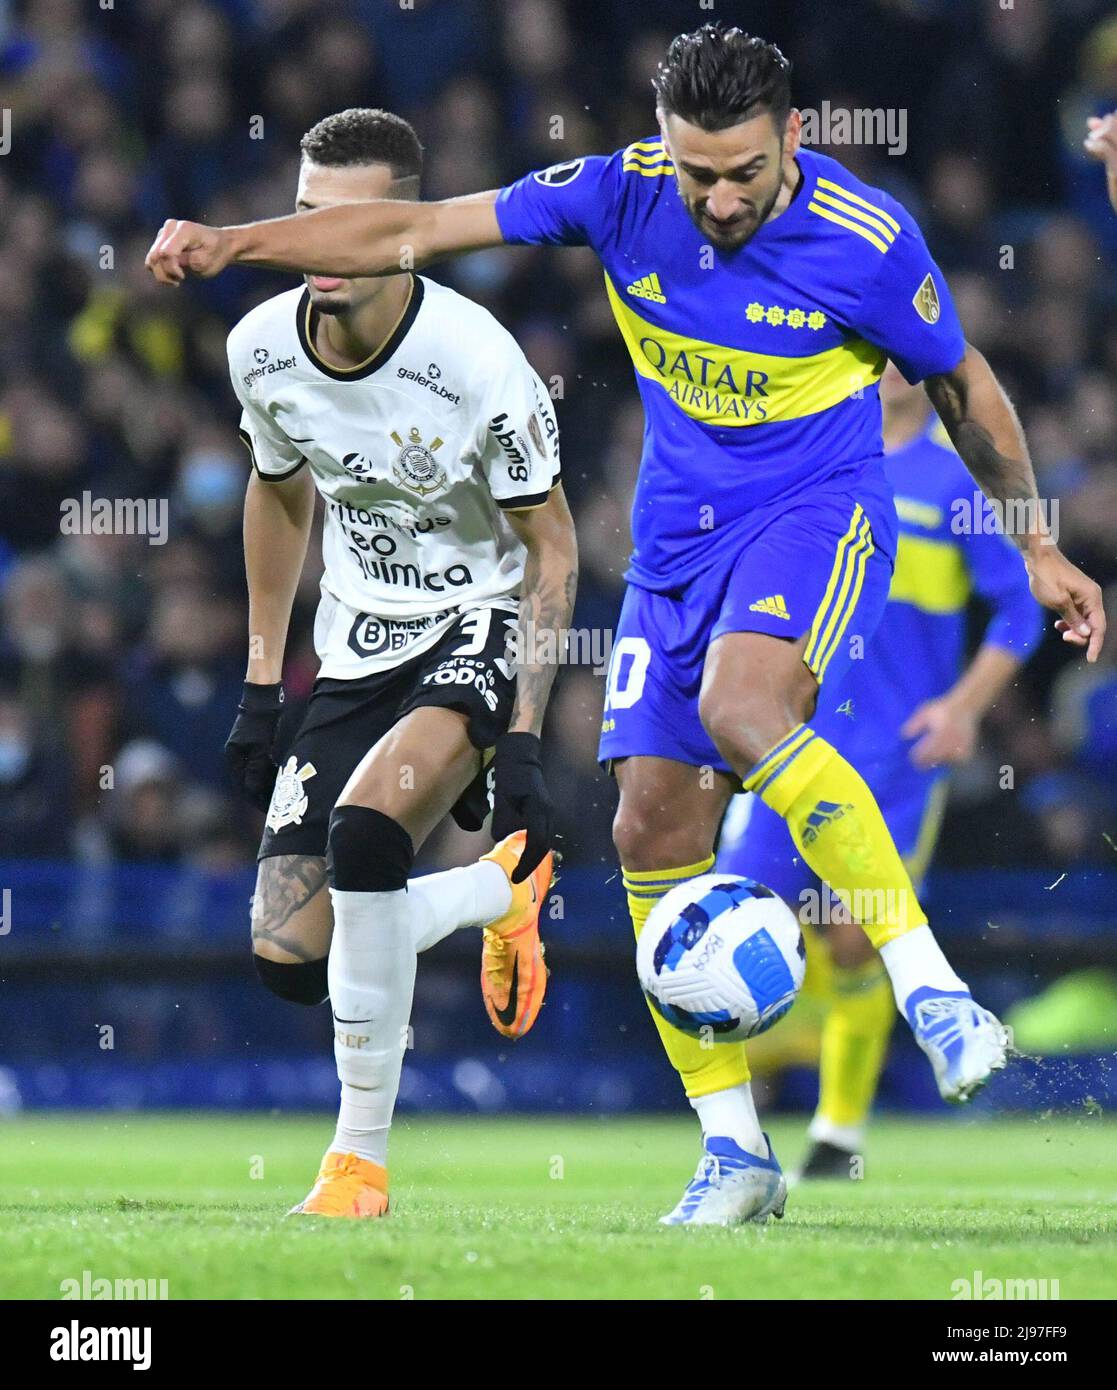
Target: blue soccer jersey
[758, 368]
[948, 552]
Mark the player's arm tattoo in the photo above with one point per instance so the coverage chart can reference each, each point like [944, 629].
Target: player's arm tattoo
[546, 606]
[985, 430]
[286, 883]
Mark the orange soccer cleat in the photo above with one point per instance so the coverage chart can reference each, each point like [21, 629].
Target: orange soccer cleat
[513, 975]
[346, 1186]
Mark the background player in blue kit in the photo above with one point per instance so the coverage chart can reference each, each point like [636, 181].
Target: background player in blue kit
[760, 289]
[903, 715]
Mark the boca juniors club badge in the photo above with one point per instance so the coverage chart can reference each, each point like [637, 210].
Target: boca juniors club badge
[289, 799]
[416, 466]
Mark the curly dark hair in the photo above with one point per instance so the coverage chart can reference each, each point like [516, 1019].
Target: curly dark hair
[715, 77]
[365, 135]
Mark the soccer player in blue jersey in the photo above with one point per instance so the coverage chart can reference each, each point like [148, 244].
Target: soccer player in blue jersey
[760, 288]
[903, 716]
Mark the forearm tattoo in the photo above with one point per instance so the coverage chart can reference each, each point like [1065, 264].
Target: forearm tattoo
[1002, 476]
[546, 608]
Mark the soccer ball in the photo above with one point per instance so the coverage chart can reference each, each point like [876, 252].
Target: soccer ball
[721, 956]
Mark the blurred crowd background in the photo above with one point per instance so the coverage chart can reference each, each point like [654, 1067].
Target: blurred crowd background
[123, 655]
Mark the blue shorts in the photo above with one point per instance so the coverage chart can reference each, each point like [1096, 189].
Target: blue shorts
[756, 842]
[821, 564]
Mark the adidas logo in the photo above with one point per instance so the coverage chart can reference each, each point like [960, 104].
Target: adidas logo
[774, 607]
[824, 814]
[648, 287]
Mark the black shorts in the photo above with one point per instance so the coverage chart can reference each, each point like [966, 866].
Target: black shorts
[466, 670]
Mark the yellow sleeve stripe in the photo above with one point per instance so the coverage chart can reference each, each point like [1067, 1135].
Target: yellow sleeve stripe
[643, 149]
[849, 224]
[861, 202]
[869, 220]
[648, 173]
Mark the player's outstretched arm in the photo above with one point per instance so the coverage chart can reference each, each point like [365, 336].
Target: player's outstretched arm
[986, 432]
[385, 237]
[1101, 142]
[546, 606]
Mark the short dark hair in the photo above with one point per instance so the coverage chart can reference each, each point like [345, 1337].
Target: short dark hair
[715, 77]
[364, 135]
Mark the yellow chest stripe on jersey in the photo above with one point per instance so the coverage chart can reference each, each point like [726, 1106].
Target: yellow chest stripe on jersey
[729, 386]
[930, 575]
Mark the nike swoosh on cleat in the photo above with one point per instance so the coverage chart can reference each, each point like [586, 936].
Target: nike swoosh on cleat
[507, 1015]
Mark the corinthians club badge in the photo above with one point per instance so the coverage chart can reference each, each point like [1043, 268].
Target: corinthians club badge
[416, 466]
[289, 801]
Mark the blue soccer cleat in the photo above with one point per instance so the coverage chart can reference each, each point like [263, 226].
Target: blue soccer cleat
[731, 1186]
[965, 1043]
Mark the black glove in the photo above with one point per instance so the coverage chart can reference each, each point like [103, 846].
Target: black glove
[520, 800]
[248, 747]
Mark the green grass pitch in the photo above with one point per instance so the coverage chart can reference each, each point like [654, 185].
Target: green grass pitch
[546, 1208]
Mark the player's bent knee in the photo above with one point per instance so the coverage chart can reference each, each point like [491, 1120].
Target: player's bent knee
[367, 851]
[744, 730]
[644, 844]
[303, 982]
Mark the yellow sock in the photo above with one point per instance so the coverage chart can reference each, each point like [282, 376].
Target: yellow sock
[854, 1040]
[837, 826]
[704, 1067]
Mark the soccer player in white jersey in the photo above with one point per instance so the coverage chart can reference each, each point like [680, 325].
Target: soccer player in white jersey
[447, 546]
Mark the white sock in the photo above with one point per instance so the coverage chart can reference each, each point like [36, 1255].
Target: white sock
[469, 897]
[372, 981]
[914, 960]
[359, 1128]
[824, 1131]
[732, 1114]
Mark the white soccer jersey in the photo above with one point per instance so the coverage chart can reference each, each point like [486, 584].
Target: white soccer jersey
[415, 452]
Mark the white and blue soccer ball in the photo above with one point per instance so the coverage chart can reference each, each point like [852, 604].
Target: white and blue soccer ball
[721, 956]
